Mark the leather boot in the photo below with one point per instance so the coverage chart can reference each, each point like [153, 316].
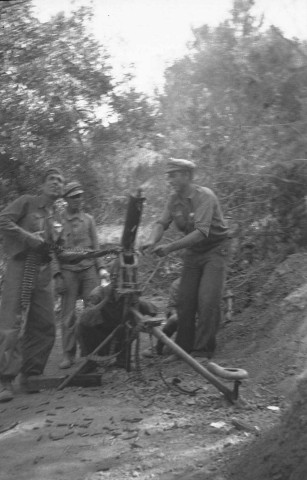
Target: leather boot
[66, 362]
[25, 384]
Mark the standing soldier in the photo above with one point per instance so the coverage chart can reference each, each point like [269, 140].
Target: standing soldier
[27, 325]
[79, 230]
[196, 212]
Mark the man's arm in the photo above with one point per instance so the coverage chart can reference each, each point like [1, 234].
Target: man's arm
[9, 219]
[158, 229]
[203, 211]
[155, 236]
[186, 242]
[157, 232]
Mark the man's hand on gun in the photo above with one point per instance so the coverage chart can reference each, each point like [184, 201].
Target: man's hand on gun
[152, 248]
[36, 240]
[162, 250]
[147, 247]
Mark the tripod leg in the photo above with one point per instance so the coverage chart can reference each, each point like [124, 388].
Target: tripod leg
[87, 359]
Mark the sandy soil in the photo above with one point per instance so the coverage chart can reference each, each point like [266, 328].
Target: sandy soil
[138, 425]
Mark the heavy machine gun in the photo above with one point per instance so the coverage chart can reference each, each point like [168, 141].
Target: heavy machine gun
[126, 285]
[34, 258]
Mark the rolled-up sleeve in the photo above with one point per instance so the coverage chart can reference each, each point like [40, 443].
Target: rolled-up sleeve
[9, 219]
[203, 213]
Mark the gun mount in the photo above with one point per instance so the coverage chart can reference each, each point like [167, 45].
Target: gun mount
[128, 260]
[128, 275]
[125, 283]
[133, 322]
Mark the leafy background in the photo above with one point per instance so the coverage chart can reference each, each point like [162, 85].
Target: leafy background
[236, 104]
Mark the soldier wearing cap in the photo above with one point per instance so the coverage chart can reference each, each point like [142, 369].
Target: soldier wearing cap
[78, 280]
[196, 212]
[26, 340]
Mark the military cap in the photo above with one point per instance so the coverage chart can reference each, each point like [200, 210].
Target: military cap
[52, 170]
[72, 189]
[177, 164]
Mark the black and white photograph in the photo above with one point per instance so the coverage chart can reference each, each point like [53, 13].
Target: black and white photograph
[153, 239]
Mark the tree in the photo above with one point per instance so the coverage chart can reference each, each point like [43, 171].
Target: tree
[55, 82]
[53, 76]
[236, 104]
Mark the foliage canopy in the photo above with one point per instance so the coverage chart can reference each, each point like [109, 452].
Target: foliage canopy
[236, 104]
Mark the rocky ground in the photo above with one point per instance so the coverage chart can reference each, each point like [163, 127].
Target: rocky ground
[139, 425]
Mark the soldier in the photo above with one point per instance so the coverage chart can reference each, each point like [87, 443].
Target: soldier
[79, 230]
[196, 212]
[27, 337]
[104, 312]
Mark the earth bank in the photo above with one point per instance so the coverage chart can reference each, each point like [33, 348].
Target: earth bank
[138, 425]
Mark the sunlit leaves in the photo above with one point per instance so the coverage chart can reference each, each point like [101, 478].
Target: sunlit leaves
[52, 78]
[237, 105]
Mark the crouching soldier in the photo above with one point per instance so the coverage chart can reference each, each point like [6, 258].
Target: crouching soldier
[104, 312]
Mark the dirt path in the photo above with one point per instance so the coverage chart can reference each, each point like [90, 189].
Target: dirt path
[136, 426]
[131, 427]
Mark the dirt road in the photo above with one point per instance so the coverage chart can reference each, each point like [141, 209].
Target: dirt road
[133, 426]
[139, 426]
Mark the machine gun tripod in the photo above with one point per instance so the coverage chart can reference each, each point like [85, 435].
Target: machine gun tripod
[128, 290]
[125, 286]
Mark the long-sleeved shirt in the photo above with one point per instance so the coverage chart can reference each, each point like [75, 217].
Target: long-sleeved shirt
[79, 230]
[27, 214]
[199, 210]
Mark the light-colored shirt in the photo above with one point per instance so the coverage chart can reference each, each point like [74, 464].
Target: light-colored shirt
[27, 214]
[199, 210]
[79, 230]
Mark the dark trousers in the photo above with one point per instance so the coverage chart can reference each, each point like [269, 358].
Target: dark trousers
[78, 285]
[200, 292]
[30, 353]
[95, 327]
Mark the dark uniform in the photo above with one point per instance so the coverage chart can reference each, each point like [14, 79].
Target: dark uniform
[204, 269]
[26, 352]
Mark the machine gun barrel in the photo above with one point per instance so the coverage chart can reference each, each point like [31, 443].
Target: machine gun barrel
[132, 222]
[128, 262]
[126, 278]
